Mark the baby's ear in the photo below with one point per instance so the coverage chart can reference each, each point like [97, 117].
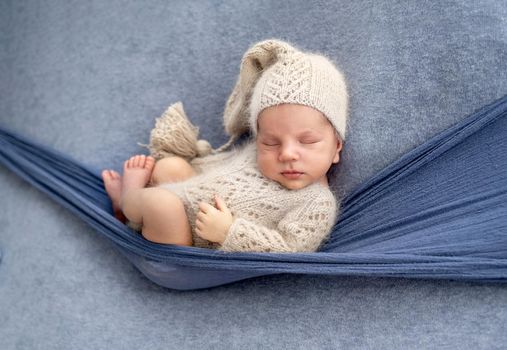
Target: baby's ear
[339, 145]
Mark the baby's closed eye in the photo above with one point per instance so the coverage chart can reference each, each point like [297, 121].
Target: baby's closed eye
[271, 144]
[309, 140]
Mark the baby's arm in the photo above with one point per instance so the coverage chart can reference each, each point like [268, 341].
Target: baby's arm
[301, 230]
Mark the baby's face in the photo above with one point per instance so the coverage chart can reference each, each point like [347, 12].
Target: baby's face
[296, 145]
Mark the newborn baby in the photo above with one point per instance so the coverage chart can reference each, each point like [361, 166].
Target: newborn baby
[270, 195]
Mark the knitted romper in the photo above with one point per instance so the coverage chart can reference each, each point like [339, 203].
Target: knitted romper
[267, 216]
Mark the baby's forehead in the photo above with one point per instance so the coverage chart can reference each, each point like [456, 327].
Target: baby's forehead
[297, 118]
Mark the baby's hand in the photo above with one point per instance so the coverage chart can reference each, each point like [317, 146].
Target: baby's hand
[213, 223]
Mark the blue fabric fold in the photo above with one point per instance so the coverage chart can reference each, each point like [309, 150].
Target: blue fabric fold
[439, 212]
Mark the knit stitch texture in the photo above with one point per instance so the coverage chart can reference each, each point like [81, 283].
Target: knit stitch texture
[274, 72]
[267, 216]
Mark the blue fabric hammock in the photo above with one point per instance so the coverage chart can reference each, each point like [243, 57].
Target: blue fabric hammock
[439, 212]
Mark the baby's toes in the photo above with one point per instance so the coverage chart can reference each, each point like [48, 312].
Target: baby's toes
[129, 163]
[105, 175]
[141, 161]
[114, 175]
[135, 161]
[110, 176]
[149, 163]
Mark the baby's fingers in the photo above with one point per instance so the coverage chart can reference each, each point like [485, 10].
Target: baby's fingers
[205, 207]
[222, 206]
[201, 216]
[220, 203]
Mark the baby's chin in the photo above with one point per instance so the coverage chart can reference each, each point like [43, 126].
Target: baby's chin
[299, 184]
[293, 185]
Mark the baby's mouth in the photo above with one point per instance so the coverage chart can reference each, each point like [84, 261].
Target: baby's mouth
[291, 174]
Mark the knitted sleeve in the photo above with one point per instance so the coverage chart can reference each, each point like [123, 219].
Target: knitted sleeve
[301, 230]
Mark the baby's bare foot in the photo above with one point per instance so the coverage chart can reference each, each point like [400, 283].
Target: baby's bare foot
[137, 172]
[113, 184]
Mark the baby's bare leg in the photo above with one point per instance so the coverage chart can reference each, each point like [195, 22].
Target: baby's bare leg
[163, 218]
[137, 171]
[160, 212]
[171, 169]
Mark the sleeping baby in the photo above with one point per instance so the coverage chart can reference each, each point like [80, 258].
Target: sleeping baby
[270, 194]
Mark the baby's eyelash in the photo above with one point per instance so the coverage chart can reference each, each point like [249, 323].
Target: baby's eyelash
[305, 141]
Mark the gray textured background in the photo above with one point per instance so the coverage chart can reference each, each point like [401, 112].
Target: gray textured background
[89, 78]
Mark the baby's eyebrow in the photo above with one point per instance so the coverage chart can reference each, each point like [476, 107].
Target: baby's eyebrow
[304, 133]
[309, 133]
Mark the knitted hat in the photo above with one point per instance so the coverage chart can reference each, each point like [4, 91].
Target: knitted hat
[273, 72]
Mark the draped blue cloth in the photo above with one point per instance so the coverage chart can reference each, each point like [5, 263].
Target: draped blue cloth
[439, 212]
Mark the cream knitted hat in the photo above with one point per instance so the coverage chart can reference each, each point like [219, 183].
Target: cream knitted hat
[273, 72]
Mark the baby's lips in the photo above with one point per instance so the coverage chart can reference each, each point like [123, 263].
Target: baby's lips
[292, 172]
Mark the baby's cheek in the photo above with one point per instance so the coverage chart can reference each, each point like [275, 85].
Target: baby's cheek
[265, 166]
[320, 162]
[324, 154]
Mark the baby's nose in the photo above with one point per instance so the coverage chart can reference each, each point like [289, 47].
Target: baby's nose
[288, 153]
